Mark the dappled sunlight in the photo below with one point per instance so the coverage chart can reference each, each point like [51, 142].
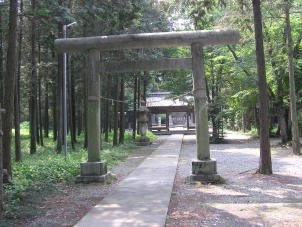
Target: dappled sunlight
[262, 214]
[242, 150]
[221, 191]
[246, 198]
[112, 206]
[271, 192]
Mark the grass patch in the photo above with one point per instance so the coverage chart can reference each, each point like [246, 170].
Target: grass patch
[38, 174]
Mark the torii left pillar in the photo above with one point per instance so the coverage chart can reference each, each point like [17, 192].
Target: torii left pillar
[94, 170]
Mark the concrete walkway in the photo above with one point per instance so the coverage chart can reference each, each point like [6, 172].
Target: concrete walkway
[141, 199]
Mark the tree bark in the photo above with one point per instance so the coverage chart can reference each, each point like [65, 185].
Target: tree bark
[33, 85]
[72, 105]
[279, 104]
[1, 60]
[1, 164]
[85, 90]
[265, 164]
[54, 107]
[46, 108]
[138, 101]
[79, 118]
[107, 109]
[134, 107]
[292, 85]
[115, 112]
[40, 119]
[9, 81]
[18, 154]
[59, 95]
[122, 116]
[283, 125]
[144, 97]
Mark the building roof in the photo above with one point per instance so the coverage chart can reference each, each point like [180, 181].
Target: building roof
[160, 102]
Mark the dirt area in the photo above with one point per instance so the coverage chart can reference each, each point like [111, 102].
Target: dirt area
[245, 199]
[69, 203]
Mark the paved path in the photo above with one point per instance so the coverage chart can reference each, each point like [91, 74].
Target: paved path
[141, 199]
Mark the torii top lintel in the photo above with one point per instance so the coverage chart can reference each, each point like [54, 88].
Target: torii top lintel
[148, 40]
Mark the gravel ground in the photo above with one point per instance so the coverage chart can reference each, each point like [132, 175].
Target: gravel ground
[246, 198]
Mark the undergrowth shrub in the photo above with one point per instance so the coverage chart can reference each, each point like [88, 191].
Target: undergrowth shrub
[41, 172]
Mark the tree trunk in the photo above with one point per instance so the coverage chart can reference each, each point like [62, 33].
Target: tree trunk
[282, 125]
[144, 96]
[115, 111]
[53, 89]
[265, 164]
[279, 106]
[85, 110]
[138, 102]
[18, 154]
[46, 108]
[107, 103]
[9, 81]
[54, 108]
[18, 157]
[33, 85]
[60, 95]
[134, 107]
[122, 116]
[292, 85]
[40, 120]
[1, 164]
[72, 105]
[1, 60]
[41, 141]
[79, 117]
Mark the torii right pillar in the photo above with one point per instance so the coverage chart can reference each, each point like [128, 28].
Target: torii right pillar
[204, 169]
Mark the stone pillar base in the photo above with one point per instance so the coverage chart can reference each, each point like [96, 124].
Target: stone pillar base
[92, 172]
[142, 142]
[205, 171]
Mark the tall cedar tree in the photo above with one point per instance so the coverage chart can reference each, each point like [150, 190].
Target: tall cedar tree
[72, 115]
[122, 116]
[115, 110]
[292, 85]
[265, 164]
[1, 166]
[33, 84]
[39, 101]
[134, 106]
[18, 154]
[9, 81]
[59, 96]
[1, 60]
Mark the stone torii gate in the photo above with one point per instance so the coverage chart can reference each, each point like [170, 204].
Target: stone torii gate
[204, 168]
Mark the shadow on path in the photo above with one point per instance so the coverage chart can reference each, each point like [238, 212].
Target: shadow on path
[246, 198]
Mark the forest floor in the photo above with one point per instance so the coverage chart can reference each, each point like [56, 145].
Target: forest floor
[244, 199]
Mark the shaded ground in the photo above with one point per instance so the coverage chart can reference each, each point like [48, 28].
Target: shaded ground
[67, 205]
[246, 198]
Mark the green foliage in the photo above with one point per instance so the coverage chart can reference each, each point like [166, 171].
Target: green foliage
[42, 171]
